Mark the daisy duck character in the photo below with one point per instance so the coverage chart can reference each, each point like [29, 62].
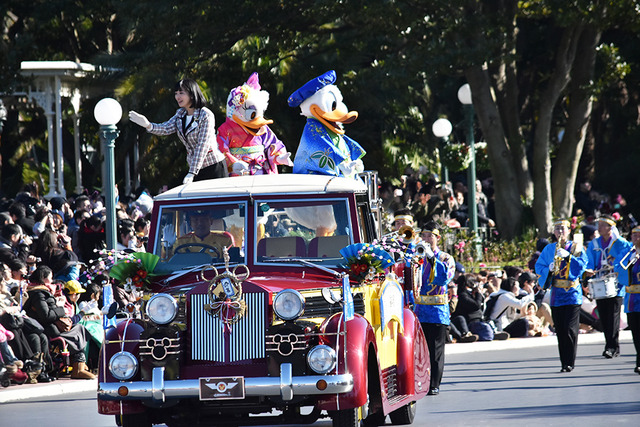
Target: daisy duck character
[324, 148]
[250, 147]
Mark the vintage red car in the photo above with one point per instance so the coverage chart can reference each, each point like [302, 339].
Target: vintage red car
[251, 318]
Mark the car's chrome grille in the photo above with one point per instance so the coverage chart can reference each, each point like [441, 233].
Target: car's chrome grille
[213, 340]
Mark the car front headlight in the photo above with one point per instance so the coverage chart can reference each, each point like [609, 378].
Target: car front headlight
[321, 359]
[162, 308]
[288, 304]
[123, 365]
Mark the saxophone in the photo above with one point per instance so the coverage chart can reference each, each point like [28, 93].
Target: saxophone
[557, 259]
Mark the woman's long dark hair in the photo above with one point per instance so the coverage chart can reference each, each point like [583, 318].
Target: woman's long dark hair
[191, 87]
[47, 243]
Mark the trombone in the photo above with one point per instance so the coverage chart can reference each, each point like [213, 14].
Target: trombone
[633, 256]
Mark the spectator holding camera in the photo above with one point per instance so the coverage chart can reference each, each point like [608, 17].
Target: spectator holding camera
[505, 310]
[14, 244]
[55, 252]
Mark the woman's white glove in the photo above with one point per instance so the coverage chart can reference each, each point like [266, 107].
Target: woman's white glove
[563, 253]
[139, 119]
[188, 179]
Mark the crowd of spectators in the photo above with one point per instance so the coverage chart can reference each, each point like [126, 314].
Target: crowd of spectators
[50, 313]
[443, 202]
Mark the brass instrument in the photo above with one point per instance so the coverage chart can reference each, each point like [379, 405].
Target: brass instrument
[421, 249]
[407, 234]
[557, 259]
[633, 256]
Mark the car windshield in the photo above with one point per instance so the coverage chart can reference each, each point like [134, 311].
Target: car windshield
[314, 230]
[190, 236]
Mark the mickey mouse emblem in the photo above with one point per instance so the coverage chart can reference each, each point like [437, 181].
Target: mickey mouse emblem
[225, 291]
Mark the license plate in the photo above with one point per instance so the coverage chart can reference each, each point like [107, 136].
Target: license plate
[219, 388]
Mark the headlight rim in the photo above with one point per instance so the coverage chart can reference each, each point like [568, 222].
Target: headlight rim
[129, 356]
[173, 301]
[280, 295]
[333, 354]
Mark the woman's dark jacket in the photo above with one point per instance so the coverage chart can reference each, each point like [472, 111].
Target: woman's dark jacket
[42, 307]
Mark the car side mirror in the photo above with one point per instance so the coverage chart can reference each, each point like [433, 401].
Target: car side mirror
[113, 309]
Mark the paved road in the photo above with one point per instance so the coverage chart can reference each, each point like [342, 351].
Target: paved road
[514, 383]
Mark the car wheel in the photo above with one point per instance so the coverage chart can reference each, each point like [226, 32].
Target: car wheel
[404, 415]
[346, 418]
[133, 420]
[374, 420]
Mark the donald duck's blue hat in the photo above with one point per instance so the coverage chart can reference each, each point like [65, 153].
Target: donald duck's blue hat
[311, 87]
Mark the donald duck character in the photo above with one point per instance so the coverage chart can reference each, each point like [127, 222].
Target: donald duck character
[249, 146]
[324, 148]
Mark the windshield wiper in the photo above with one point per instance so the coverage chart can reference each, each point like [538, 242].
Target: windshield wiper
[308, 264]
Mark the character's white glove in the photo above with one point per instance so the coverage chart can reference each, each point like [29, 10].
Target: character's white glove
[552, 266]
[563, 253]
[240, 167]
[428, 252]
[358, 166]
[284, 159]
[188, 179]
[351, 168]
[139, 119]
[168, 235]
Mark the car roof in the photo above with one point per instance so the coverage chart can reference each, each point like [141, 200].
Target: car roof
[264, 184]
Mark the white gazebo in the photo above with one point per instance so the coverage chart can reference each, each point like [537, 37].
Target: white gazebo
[49, 81]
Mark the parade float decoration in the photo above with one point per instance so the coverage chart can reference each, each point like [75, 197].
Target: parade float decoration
[324, 148]
[249, 145]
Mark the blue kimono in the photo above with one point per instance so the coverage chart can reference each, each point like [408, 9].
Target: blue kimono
[322, 151]
[569, 270]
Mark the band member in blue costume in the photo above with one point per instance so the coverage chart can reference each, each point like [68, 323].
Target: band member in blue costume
[560, 267]
[431, 301]
[628, 269]
[602, 252]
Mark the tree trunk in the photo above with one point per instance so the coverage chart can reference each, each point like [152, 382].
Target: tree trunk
[505, 181]
[565, 166]
[506, 84]
[542, 202]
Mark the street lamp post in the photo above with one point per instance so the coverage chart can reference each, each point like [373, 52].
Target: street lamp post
[464, 96]
[442, 128]
[108, 113]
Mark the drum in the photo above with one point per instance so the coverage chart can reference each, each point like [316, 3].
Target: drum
[603, 287]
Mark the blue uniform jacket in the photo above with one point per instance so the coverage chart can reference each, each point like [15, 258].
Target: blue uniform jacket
[631, 276]
[600, 255]
[436, 275]
[570, 269]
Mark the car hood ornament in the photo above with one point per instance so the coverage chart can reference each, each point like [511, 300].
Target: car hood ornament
[225, 291]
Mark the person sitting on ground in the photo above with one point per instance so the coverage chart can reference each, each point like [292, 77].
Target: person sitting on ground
[470, 307]
[535, 326]
[459, 315]
[45, 307]
[505, 313]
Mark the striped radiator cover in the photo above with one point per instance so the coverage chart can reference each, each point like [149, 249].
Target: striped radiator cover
[212, 340]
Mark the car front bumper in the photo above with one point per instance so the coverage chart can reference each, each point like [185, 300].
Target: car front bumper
[286, 386]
